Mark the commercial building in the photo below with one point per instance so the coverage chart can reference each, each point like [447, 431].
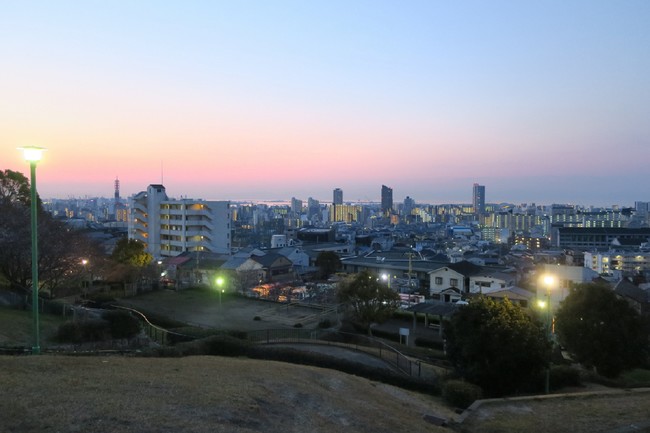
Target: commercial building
[386, 200]
[337, 196]
[169, 227]
[478, 199]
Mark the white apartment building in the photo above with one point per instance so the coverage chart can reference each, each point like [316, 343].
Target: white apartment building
[629, 262]
[169, 227]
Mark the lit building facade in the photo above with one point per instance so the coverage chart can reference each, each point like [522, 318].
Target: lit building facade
[630, 262]
[169, 227]
[478, 199]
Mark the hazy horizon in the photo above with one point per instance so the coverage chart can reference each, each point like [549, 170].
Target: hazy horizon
[543, 102]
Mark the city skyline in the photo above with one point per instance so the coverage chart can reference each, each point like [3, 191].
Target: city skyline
[543, 102]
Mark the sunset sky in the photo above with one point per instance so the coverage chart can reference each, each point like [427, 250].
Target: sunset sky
[540, 101]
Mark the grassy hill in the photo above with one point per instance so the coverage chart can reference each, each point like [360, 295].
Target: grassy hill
[200, 394]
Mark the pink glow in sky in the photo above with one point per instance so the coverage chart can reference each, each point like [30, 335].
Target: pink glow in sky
[539, 101]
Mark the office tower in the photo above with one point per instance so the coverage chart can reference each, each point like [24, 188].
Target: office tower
[409, 205]
[338, 196]
[296, 206]
[168, 227]
[386, 200]
[478, 199]
[313, 208]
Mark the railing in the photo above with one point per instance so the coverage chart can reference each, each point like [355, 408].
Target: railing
[360, 343]
[160, 335]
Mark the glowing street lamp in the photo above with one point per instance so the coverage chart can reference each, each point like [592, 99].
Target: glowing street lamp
[220, 289]
[549, 283]
[33, 155]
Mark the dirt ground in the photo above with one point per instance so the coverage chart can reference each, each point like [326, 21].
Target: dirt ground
[612, 411]
[206, 309]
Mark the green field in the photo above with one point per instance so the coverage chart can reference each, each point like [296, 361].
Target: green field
[16, 327]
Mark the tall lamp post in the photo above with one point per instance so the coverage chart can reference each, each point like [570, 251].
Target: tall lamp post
[549, 281]
[33, 155]
[220, 282]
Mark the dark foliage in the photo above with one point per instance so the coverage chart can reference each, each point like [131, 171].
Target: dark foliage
[461, 394]
[601, 330]
[121, 324]
[497, 346]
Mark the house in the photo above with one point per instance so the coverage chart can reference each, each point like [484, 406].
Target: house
[450, 282]
[198, 268]
[243, 273]
[275, 267]
[638, 298]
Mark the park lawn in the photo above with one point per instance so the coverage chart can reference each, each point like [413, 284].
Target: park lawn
[201, 394]
[16, 327]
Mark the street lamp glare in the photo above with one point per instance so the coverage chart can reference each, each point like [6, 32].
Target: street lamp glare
[219, 281]
[548, 280]
[32, 153]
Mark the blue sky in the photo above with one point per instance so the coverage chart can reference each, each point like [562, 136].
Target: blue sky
[544, 101]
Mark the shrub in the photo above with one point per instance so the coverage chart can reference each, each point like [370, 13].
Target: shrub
[69, 332]
[564, 375]
[298, 325]
[81, 332]
[121, 323]
[387, 335]
[430, 344]
[257, 318]
[325, 323]
[461, 394]
[100, 300]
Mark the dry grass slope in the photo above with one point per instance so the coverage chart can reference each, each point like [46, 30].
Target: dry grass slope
[200, 394]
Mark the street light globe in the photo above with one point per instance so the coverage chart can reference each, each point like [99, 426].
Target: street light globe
[32, 153]
[219, 281]
[384, 277]
[549, 280]
[541, 303]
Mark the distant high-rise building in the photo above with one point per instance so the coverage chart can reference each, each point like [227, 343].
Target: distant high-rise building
[296, 206]
[386, 199]
[313, 208]
[409, 205]
[478, 199]
[117, 191]
[338, 196]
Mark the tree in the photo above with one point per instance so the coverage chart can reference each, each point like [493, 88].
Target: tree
[328, 262]
[601, 330]
[496, 345]
[14, 188]
[131, 252]
[368, 299]
[60, 249]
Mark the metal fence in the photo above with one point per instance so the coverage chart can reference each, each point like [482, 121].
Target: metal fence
[369, 345]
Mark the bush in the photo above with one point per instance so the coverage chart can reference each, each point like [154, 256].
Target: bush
[100, 300]
[461, 394]
[298, 325]
[121, 323]
[430, 344]
[563, 375]
[218, 345]
[387, 335]
[325, 323]
[82, 332]
[257, 318]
